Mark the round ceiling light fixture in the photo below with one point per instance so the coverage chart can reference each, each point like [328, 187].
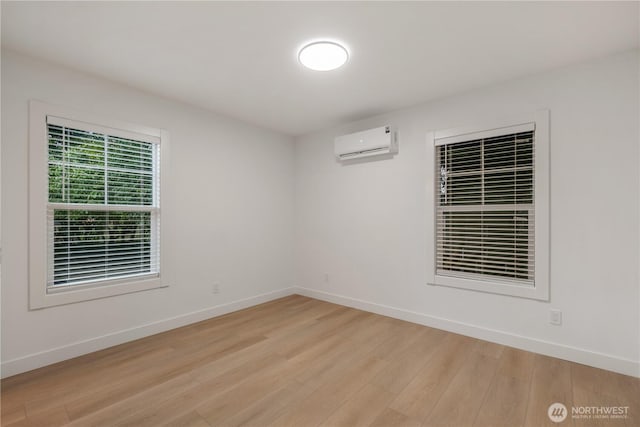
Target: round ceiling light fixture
[323, 55]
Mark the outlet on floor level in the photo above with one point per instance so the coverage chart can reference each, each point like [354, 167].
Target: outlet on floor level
[215, 288]
[326, 277]
[555, 317]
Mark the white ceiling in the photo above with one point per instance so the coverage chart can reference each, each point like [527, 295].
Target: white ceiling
[239, 59]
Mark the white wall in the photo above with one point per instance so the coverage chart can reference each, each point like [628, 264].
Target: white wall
[227, 213]
[229, 209]
[365, 224]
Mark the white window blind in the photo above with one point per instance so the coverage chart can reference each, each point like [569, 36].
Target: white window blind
[485, 224]
[103, 206]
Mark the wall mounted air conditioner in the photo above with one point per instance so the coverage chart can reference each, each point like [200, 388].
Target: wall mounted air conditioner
[372, 142]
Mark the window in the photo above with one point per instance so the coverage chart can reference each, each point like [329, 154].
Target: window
[491, 208]
[99, 219]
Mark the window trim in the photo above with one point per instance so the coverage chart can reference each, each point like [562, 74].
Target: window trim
[540, 290]
[38, 204]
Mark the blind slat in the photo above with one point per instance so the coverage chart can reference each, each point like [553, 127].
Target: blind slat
[91, 127]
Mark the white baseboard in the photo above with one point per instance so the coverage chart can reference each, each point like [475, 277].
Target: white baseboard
[574, 354]
[38, 360]
[561, 351]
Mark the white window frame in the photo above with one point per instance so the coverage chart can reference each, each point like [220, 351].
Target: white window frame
[540, 288]
[39, 297]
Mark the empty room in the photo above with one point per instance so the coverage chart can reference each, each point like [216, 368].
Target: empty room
[320, 214]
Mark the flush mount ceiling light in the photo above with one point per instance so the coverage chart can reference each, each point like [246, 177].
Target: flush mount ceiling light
[323, 56]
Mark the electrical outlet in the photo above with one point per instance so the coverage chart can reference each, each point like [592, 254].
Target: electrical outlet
[326, 277]
[216, 288]
[555, 317]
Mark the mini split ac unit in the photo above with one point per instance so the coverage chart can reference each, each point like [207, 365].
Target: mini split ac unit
[372, 142]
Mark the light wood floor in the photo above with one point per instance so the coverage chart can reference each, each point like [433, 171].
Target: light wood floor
[302, 362]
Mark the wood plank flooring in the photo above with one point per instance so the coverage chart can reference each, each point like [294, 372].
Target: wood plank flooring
[300, 362]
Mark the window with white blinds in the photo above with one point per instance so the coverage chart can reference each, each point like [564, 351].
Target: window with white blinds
[103, 205]
[490, 207]
[485, 223]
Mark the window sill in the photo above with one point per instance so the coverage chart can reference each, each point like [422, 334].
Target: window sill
[514, 290]
[70, 296]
